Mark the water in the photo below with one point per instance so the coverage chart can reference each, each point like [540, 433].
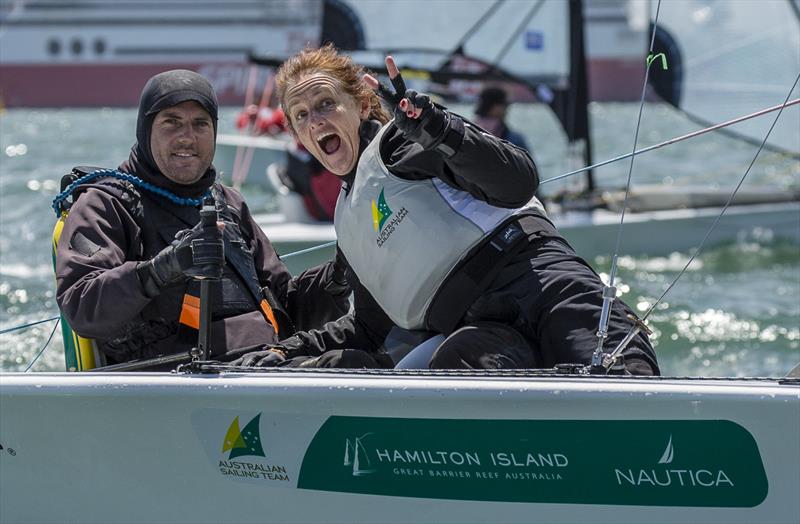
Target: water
[735, 313]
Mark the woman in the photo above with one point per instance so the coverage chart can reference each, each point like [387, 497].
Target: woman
[432, 219]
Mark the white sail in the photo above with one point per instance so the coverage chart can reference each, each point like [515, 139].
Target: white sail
[527, 39]
[731, 58]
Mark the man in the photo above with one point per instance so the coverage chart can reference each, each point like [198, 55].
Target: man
[125, 260]
[490, 114]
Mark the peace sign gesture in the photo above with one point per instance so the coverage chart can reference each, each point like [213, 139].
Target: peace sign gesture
[408, 101]
[414, 114]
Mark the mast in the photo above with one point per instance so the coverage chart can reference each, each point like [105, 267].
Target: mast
[571, 105]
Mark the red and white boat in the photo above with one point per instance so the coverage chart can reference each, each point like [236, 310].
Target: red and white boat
[98, 53]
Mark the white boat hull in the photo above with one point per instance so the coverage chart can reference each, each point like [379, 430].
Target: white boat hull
[243, 159]
[346, 447]
[593, 233]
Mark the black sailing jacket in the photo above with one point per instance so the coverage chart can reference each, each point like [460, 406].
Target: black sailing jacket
[113, 225]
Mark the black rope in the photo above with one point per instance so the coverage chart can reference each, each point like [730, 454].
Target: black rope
[480, 373]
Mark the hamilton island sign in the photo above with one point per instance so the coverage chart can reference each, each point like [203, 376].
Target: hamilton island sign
[666, 463]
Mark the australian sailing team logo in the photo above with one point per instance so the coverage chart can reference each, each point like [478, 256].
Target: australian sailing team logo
[243, 443]
[246, 442]
[381, 212]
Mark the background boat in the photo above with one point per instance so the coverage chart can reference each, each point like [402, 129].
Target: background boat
[52, 52]
[697, 44]
[663, 221]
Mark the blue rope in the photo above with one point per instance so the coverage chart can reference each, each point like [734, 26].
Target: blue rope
[181, 201]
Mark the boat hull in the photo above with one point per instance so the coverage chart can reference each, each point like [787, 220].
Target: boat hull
[243, 159]
[31, 85]
[348, 447]
[594, 233]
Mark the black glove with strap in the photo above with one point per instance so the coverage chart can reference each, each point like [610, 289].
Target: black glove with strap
[195, 253]
[261, 359]
[336, 282]
[432, 127]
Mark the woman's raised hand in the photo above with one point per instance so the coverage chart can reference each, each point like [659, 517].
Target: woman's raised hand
[407, 101]
[414, 113]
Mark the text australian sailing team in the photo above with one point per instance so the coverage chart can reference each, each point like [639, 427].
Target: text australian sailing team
[466, 251]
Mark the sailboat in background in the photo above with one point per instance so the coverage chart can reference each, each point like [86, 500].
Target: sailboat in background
[728, 59]
[697, 67]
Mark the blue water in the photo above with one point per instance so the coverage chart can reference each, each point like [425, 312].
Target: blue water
[735, 313]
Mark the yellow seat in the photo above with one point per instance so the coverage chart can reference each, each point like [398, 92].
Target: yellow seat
[80, 354]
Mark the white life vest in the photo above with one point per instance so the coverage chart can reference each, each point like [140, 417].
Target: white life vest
[404, 237]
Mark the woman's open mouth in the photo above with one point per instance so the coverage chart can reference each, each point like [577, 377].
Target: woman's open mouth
[329, 143]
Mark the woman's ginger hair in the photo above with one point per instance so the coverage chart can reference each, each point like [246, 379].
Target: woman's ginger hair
[327, 59]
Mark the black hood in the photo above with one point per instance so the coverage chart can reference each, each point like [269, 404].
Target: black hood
[162, 91]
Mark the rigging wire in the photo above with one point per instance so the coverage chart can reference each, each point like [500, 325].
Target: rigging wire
[29, 324]
[633, 156]
[283, 257]
[675, 140]
[633, 331]
[727, 204]
[520, 28]
[310, 249]
[609, 291]
[478, 23]
[553, 179]
[39, 354]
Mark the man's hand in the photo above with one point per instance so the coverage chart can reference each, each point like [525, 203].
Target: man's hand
[414, 114]
[261, 359]
[196, 252]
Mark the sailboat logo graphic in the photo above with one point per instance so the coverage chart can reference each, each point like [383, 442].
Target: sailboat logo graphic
[667, 456]
[380, 212]
[355, 455]
[245, 442]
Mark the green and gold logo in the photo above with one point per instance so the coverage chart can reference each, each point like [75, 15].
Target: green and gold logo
[380, 212]
[245, 442]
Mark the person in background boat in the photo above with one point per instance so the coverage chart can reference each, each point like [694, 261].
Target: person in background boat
[302, 173]
[490, 114]
[306, 176]
[123, 266]
[261, 120]
[438, 223]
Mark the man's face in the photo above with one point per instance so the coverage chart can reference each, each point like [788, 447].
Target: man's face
[493, 121]
[497, 111]
[182, 142]
[326, 119]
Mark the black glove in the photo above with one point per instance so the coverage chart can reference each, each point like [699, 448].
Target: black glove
[427, 130]
[196, 252]
[434, 129]
[336, 275]
[261, 359]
